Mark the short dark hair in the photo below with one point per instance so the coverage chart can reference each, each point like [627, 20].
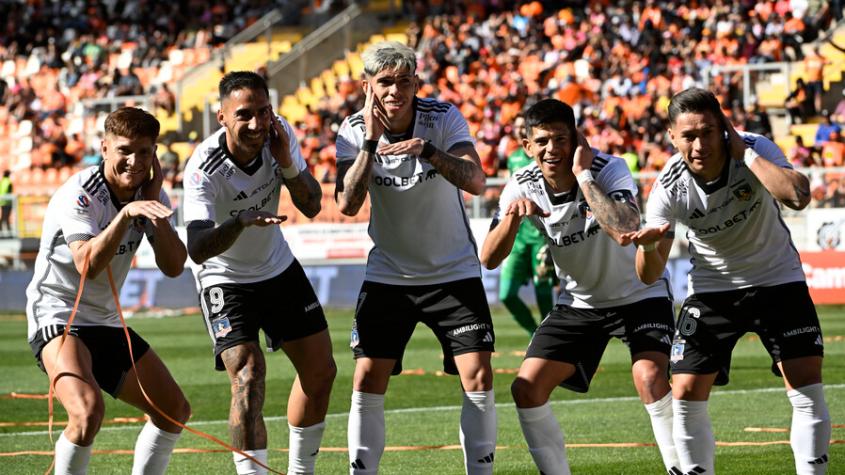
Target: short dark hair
[549, 111]
[241, 80]
[132, 122]
[694, 100]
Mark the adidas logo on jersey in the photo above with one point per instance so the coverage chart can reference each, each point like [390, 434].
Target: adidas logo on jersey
[696, 213]
[241, 196]
[488, 338]
[819, 341]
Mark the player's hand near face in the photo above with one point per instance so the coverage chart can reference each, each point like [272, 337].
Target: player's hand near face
[583, 158]
[736, 146]
[259, 218]
[151, 189]
[279, 141]
[375, 117]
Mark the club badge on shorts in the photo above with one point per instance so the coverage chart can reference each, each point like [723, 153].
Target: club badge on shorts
[221, 327]
[677, 350]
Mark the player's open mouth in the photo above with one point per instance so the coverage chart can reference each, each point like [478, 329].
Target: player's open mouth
[552, 161]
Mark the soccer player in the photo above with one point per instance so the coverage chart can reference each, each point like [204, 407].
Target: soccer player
[101, 214]
[583, 202]
[415, 158]
[521, 265]
[248, 278]
[725, 187]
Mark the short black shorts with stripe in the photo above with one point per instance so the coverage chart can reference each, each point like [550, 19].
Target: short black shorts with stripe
[579, 336]
[110, 361]
[456, 312]
[710, 324]
[285, 307]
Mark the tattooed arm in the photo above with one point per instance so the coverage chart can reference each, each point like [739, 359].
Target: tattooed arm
[461, 165]
[353, 181]
[617, 211]
[305, 193]
[786, 185]
[206, 241]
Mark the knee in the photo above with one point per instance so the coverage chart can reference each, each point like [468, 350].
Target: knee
[183, 409]
[526, 394]
[84, 419]
[479, 378]
[318, 383]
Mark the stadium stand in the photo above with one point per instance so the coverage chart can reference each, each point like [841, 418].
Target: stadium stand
[616, 63]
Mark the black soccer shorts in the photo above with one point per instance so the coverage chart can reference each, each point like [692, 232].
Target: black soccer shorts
[579, 336]
[285, 307]
[710, 324]
[110, 361]
[457, 313]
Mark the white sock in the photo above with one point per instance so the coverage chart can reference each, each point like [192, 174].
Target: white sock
[365, 433]
[303, 448]
[71, 459]
[245, 466]
[478, 431]
[545, 439]
[810, 436]
[152, 450]
[693, 436]
[661, 423]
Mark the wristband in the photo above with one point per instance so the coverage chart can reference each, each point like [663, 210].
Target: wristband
[428, 150]
[290, 172]
[585, 176]
[370, 146]
[648, 247]
[749, 156]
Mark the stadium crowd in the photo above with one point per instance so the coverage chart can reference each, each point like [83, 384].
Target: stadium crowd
[616, 63]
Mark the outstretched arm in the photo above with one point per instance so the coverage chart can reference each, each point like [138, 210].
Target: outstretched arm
[103, 246]
[461, 165]
[653, 246]
[206, 241]
[499, 241]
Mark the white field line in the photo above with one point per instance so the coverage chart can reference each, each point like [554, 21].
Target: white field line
[409, 410]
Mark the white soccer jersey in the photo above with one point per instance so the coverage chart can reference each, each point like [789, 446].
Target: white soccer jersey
[79, 210]
[217, 188]
[596, 271]
[417, 222]
[736, 235]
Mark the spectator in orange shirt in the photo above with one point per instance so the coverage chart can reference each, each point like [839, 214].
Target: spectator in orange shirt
[792, 29]
[814, 68]
[833, 151]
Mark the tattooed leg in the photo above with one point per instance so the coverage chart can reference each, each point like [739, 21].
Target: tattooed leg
[246, 368]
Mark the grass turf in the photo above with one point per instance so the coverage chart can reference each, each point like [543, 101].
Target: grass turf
[423, 409]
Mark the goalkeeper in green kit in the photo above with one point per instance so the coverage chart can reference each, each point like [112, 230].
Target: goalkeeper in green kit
[526, 259]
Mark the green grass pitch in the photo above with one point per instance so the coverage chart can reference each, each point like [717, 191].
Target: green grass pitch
[422, 410]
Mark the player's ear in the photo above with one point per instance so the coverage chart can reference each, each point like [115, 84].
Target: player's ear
[220, 116]
[417, 83]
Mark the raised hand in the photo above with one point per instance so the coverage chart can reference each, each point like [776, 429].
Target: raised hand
[375, 117]
[279, 141]
[259, 218]
[736, 146]
[151, 188]
[525, 207]
[583, 158]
